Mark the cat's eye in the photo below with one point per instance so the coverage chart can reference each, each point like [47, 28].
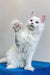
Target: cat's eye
[31, 20]
[37, 22]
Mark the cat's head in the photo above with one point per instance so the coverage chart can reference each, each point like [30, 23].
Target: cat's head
[35, 22]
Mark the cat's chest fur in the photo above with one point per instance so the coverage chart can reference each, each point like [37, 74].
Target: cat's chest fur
[26, 41]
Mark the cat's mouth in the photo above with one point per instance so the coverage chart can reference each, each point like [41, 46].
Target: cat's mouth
[31, 27]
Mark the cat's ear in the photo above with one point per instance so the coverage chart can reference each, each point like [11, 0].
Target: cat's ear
[42, 18]
[32, 13]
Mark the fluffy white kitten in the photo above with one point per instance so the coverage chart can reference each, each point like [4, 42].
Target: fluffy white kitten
[26, 41]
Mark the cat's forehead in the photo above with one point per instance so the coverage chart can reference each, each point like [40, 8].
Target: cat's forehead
[35, 18]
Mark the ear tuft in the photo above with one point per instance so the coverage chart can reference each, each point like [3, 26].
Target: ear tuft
[42, 18]
[32, 14]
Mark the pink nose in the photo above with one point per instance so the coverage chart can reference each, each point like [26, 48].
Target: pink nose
[32, 23]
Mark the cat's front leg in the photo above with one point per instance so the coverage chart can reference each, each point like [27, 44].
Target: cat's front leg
[28, 64]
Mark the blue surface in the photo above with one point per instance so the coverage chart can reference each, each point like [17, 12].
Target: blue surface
[41, 68]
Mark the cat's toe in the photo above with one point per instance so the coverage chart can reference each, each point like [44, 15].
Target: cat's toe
[9, 67]
[29, 68]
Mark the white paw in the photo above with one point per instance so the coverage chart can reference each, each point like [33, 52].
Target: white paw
[9, 67]
[0, 61]
[29, 68]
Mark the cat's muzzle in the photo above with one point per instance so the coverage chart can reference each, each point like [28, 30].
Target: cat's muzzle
[31, 27]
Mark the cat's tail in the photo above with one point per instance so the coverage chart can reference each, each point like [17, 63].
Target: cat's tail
[3, 60]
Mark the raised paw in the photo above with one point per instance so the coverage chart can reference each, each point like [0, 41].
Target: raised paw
[17, 25]
[29, 68]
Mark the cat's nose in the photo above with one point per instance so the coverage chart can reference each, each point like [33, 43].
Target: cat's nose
[32, 23]
[31, 20]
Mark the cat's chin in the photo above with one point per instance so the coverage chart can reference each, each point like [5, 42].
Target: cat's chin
[30, 28]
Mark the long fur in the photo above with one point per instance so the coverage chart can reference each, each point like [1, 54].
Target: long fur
[26, 41]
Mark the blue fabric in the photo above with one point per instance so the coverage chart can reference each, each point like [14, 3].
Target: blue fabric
[41, 68]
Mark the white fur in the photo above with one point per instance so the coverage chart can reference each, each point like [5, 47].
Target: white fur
[28, 39]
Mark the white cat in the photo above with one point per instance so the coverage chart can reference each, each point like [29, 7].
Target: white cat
[26, 41]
